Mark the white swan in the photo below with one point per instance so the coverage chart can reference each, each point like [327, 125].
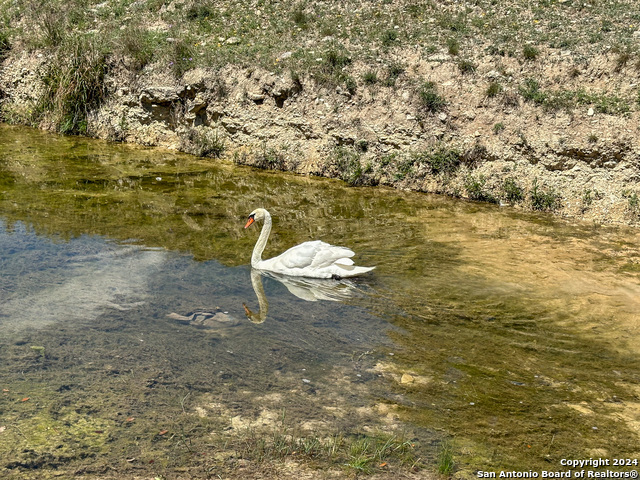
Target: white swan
[309, 259]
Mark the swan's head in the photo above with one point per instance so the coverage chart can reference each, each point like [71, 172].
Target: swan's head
[256, 215]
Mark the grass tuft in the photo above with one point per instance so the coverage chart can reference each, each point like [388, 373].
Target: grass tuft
[493, 90]
[350, 169]
[514, 193]
[453, 46]
[531, 92]
[137, 47]
[529, 52]
[361, 454]
[475, 187]
[203, 142]
[74, 85]
[633, 202]
[300, 18]
[429, 100]
[466, 66]
[393, 73]
[446, 464]
[389, 37]
[370, 77]
[442, 160]
[542, 199]
[182, 57]
[5, 43]
[271, 159]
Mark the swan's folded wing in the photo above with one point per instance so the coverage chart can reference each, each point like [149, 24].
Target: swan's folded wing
[316, 254]
[329, 254]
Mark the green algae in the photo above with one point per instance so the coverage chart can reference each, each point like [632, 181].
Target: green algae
[520, 327]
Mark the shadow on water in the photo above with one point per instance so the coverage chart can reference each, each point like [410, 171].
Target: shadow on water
[137, 340]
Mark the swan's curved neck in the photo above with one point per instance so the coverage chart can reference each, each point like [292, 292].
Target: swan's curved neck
[256, 257]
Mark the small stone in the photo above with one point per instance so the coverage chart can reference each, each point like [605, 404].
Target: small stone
[590, 112]
[438, 58]
[406, 378]
[256, 97]
[442, 117]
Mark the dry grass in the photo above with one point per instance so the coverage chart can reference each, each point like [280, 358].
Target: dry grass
[189, 33]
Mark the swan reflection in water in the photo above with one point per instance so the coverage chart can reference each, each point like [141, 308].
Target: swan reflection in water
[309, 289]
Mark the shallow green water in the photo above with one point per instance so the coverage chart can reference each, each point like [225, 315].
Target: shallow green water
[127, 269]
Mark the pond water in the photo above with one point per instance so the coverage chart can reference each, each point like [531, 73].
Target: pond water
[136, 340]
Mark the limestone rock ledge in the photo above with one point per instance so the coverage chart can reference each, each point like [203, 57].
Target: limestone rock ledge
[589, 162]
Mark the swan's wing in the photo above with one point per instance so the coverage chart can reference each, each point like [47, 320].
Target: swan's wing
[330, 254]
[316, 254]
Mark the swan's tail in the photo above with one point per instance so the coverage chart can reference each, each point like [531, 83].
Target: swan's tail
[352, 270]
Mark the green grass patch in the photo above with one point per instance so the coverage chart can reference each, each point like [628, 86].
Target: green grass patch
[514, 193]
[466, 66]
[445, 460]
[442, 160]
[350, 169]
[529, 52]
[633, 202]
[359, 454]
[5, 42]
[453, 46]
[568, 100]
[204, 142]
[493, 90]
[137, 45]
[393, 73]
[370, 77]
[542, 199]
[389, 37]
[429, 100]
[271, 159]
[498, 127]
[475, 187]
[531, 92]
[74, 85]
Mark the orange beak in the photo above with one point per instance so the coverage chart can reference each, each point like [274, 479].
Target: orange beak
[249, 222]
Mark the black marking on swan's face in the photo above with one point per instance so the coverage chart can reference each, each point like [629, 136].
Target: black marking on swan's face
[250, 220]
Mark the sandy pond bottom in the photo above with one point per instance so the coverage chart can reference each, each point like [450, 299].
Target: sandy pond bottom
[508, 341]
[124, 360]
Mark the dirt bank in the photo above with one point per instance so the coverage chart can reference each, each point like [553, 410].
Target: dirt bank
[568, 144]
